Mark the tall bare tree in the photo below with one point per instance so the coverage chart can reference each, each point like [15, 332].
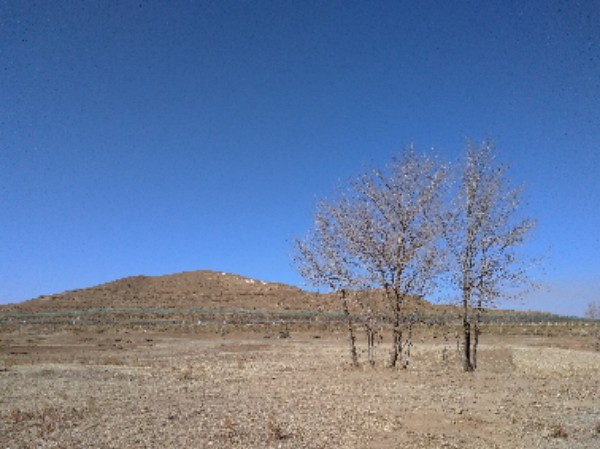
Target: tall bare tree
[593, 310]
[382, 234]
[320, 260]
[483, 234]
[593, 313]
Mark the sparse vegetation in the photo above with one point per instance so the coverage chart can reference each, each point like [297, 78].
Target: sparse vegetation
[593, 310]
[558, 431]
[482, 234]
[187, 372]
[275, 432]
[380, 235]
[241, 390]
[201, 378]
[48, 420]
[593, 313]
[383, 234]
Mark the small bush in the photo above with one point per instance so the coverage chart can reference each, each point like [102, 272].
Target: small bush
[187, 373]
[275, 432]
[558, 431]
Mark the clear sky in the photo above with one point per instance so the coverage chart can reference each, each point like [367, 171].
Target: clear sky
[155, 137]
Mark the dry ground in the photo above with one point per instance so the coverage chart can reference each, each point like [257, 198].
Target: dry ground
[117, 389]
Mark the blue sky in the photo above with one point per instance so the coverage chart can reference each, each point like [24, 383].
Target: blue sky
[156, 137]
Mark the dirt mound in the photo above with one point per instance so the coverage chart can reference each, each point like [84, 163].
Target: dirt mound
[206, 290]
[190, 290]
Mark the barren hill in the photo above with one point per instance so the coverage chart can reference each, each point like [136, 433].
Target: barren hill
[190, 290]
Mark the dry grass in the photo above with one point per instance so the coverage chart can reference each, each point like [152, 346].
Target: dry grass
[246, 391]
[47, 421]
[558, 431]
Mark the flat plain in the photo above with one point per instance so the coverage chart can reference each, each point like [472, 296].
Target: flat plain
[227, 387]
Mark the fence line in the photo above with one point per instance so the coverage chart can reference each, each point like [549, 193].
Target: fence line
[501, 319]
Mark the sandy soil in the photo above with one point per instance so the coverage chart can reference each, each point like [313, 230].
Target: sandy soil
[120, 389]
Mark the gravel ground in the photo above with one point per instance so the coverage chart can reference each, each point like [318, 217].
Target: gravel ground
[246, 391]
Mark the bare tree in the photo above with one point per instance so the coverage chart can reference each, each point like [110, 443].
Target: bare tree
[369, 303]
[593, 311]
[382, 234]
[319, 259]
[483, 234]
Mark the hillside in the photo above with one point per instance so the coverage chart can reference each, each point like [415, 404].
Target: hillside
[189, 290]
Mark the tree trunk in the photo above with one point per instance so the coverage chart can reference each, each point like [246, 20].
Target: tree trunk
[466, 327]
[371, 334]
[351, 336]
[467, 347]
[397, 349]
[408, 344]
[397, 331]
[370, 343]
[476, 332]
